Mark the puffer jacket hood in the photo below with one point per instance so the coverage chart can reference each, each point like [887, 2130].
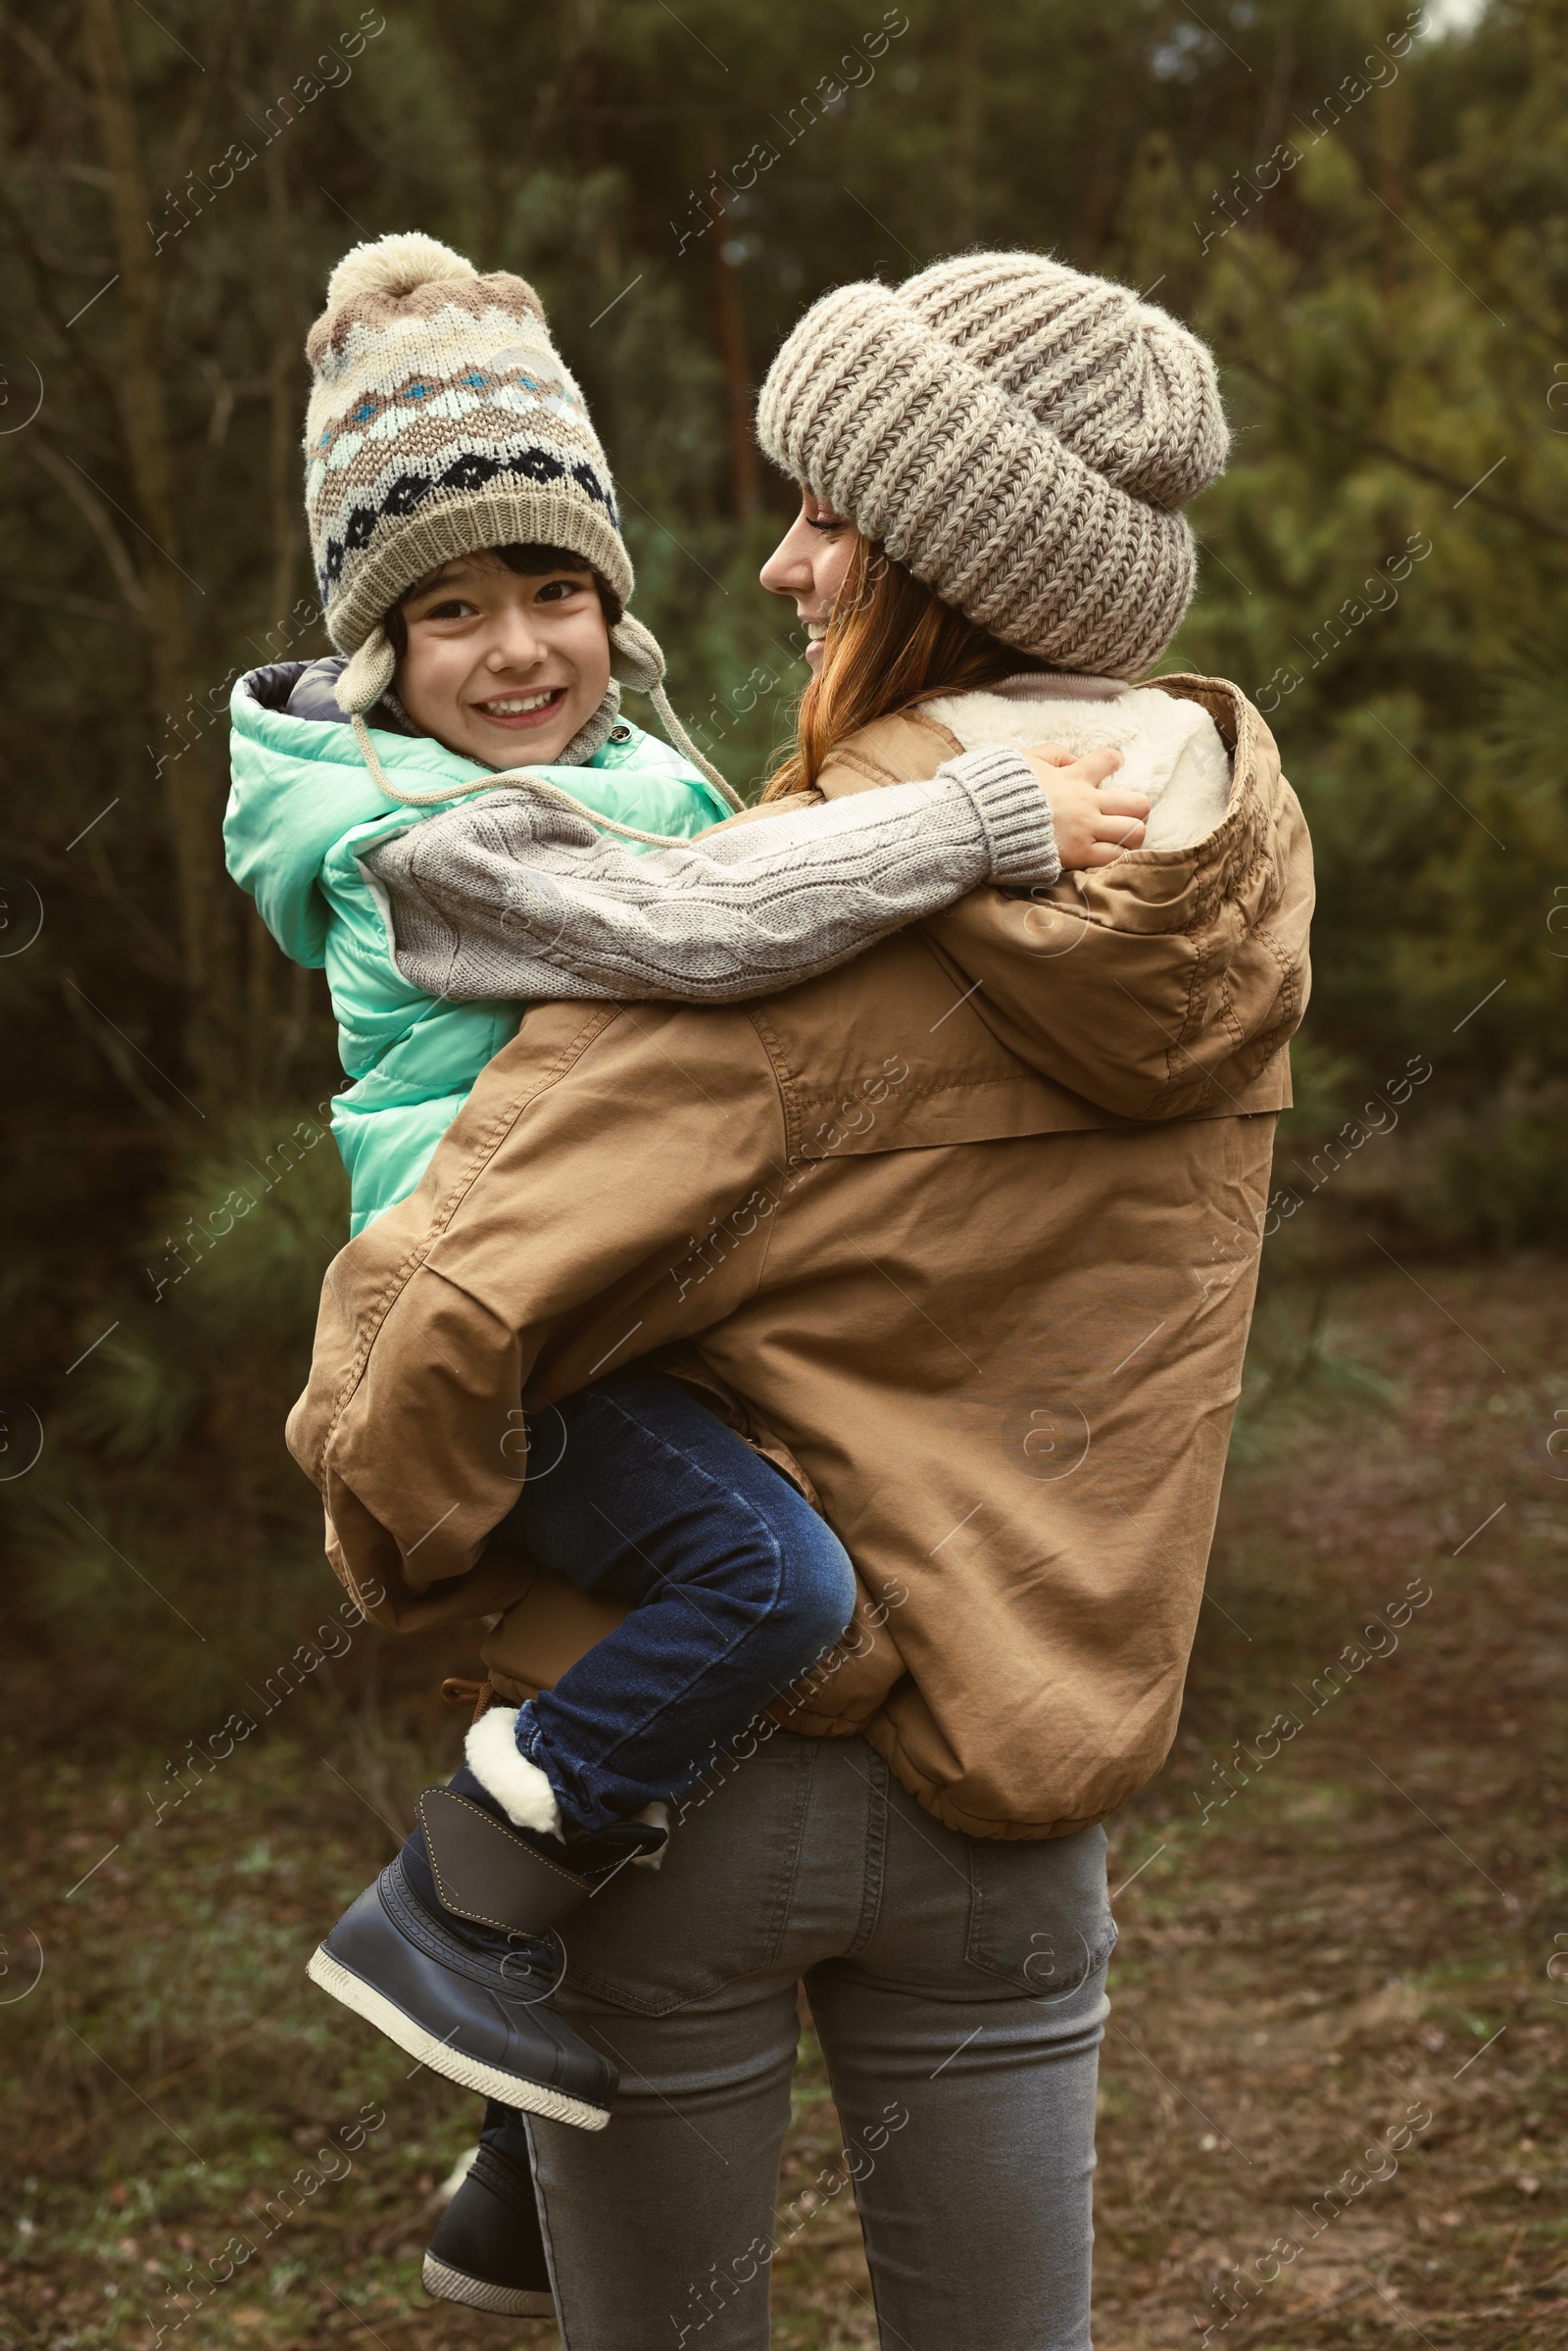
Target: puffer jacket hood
[303, 808]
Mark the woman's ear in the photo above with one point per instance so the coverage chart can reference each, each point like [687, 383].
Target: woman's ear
[369, 674]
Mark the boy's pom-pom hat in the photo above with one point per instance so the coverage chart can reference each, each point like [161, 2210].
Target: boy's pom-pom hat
[441, 419]
[1021, 436]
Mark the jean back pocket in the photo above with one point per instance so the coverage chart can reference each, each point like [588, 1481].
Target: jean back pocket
[1040, 1911]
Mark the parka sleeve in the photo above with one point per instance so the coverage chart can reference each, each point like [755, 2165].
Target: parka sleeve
[523, 895]
[549, 1242]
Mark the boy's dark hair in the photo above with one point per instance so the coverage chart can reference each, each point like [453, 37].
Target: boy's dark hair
[532, 563]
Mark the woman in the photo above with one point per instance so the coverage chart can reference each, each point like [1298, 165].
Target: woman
[965, 1234]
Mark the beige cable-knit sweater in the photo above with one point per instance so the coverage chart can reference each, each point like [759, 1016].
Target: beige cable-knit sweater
[521, 894]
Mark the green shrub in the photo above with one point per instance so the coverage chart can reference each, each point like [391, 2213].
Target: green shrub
[1509, 1189]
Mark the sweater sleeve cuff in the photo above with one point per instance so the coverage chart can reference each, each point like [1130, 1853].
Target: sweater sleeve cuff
[1013, 811]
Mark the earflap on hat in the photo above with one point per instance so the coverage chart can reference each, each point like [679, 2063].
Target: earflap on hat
[636, 655]
[595, 731]
[370, 674]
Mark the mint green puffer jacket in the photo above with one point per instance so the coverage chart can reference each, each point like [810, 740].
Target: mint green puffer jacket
[301, 807]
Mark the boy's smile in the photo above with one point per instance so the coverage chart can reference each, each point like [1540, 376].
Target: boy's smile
[501, 666]
[521, 710]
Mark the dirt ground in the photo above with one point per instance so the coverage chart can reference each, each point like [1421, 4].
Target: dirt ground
[1332, 2084]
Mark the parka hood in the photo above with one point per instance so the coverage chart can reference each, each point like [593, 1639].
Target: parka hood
[299, 785]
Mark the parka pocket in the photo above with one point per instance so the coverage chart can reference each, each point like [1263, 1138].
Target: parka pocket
[1040, 1912]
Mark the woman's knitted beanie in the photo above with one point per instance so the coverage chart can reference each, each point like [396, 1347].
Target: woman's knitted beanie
[1021, 437]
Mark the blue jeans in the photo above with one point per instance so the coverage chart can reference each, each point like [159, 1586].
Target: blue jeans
[636, 1491]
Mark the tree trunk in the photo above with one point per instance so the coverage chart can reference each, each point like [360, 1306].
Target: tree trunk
[266, 1031]
[732, 348]
[966, 144]
[192, 804]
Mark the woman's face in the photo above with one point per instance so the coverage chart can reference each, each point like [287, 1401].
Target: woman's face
[810, 563]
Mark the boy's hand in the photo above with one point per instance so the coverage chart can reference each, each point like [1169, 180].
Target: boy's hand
[1096, 818]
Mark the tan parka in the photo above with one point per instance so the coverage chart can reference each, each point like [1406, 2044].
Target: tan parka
[965, 1232]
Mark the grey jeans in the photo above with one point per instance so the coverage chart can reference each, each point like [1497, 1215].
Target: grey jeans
[958, 1984]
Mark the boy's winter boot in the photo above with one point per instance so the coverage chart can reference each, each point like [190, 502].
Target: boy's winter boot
[452, 1954]
[489, 2251]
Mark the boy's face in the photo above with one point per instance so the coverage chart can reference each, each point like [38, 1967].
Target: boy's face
[503, 667]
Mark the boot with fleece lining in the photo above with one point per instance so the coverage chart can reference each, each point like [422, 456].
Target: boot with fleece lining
[452, 1954]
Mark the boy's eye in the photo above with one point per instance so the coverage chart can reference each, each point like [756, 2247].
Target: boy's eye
[554, 591]
[452, 609]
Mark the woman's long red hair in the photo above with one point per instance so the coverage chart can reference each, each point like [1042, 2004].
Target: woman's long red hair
[890, 645]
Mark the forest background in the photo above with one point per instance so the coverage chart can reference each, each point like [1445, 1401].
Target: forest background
[1363, 207]
[1367, 216]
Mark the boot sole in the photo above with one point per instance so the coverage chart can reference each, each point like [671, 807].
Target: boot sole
[445, 2284]
[469, 2073]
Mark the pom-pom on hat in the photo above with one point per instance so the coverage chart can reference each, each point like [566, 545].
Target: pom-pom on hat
[1021, 436]
[441, 420]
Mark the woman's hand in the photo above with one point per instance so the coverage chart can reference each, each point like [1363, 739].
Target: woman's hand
[1095, 819]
